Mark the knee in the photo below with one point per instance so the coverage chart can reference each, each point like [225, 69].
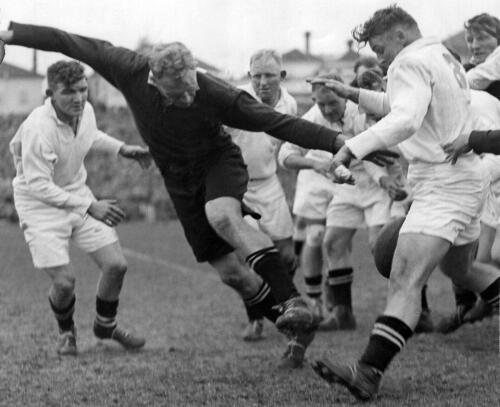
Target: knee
[220, 218]
[337, 246]
[64, 284]
[117, 268]
[315, 235]
[232, 277]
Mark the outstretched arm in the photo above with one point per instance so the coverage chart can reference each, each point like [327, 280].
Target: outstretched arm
[115, 64]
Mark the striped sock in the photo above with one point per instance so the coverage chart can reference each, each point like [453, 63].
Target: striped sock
[491, 295]
[64, 316]
[105, 319]
[313, 286]
[388, 337]
[262, 303]
[340, 281]
[268, 264]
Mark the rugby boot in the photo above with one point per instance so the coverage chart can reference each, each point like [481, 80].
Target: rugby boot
[452, 322]
[294, 355]
[425, 323]
[340, 319]
[363, 381]
[253, 331]
[296, 316]
[120, 335]
[66, 343]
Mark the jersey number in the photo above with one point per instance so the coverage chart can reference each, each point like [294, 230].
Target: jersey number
[457, 70]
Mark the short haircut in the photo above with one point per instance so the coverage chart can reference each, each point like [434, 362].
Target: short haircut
[329, 76]
[382, 21]
[368, 62]
[369, 78]
[484, 22]
[266, 54]
[172, 59]
[65, 72]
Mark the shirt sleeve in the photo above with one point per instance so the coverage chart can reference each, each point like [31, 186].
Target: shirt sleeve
[482, 75]
[249, 114]
[288, 149]
[485, 141]
[115, 64]
[409, 94]
[38, 161]
[106, 143]
[374, 102]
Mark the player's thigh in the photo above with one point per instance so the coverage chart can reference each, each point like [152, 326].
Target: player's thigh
[338, 239]
[110, 257]
[91, 235]
[485, 244]
[415, 258]
[457, 262]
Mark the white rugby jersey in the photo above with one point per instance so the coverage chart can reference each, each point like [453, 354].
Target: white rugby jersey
[257, 148]
[427, 104]
[49, 158]
[352, 123]
[482, 75]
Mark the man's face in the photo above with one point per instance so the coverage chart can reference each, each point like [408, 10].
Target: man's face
[70, 100]
[332, 107]
[265, 76]
[480, 44]
[387, 45]
[179, 91]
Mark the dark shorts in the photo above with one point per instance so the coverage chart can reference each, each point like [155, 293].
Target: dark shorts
[223, 175]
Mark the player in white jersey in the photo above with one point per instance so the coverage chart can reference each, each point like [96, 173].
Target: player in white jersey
[482, 33]
[265, 194]
[55, 205]
[341, 208]
[442, 225]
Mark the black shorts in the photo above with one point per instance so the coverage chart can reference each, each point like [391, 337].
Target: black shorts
[223, 175]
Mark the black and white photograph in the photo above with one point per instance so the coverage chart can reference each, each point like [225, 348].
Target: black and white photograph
[249, 203]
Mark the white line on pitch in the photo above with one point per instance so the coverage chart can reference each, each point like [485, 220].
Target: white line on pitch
[165, 263]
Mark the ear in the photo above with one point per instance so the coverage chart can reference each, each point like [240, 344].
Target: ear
[400, 35]
[283, 74]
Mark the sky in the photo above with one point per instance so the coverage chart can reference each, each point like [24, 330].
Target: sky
[225, 33]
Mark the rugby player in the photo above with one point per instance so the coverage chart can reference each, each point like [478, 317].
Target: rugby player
[55, 205]
[264, 193]
[442, 225]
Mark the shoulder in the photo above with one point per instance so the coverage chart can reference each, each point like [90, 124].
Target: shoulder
[313, 114]
[214, 87]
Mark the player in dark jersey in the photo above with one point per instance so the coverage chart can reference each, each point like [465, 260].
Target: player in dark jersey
[179, 112]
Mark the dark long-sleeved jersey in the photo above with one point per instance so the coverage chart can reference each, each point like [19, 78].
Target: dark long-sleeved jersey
[485, 141]
[184, 136]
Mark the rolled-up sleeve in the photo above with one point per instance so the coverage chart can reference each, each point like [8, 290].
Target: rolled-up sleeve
[106, 144]
[287, 150]
[409, 93]
[374, 102]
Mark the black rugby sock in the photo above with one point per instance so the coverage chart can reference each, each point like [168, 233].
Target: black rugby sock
[64, 316]
[313, 286]
[262, 303]
[340, 281]
[105, 319]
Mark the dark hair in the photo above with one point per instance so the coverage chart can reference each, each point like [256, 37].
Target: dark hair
[369, 62]
[66, 72]
[382, 21]
[369, 78]
[484, 22]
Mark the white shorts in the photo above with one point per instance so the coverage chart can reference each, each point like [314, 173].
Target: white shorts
[447, 200]
[267, 198]
[355, 207]
[48, 230]
[313, 193]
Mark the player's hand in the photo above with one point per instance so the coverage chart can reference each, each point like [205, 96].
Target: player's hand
[394, 188]
[456, 148]
[137, 153]
[341, 89]
[382, 157]
[107, 211]
[321, 168]
[338, 168]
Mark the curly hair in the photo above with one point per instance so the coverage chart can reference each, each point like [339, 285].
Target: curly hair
[484, 22]
[370, 79]
[382, 21]
[172, 59]
[66, 72]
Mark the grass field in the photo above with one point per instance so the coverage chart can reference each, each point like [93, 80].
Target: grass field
[194, 355]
